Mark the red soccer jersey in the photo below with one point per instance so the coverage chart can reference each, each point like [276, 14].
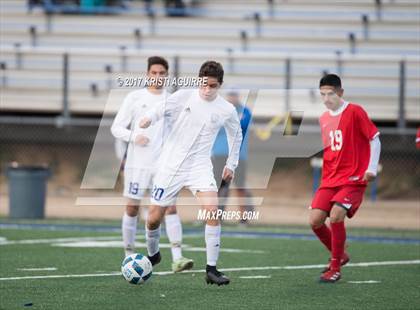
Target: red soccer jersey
[418, 138]
[346, 138]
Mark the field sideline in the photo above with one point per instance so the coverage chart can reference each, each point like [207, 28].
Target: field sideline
[75, 265]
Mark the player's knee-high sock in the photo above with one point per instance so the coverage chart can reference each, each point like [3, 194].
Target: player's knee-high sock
[338, 237]
[152, 240]
[212, 236]
[129, 229]
[324, 235]
[174, 233]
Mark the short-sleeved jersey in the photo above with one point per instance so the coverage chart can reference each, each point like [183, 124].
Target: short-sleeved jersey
[346, 138]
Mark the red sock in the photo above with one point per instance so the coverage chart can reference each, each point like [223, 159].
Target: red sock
[338, 238]
[324, 235]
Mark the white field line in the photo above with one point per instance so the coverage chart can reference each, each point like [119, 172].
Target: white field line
[364, 282]
[119, 244]
[55, 240]
[4, 241]
[38, 269]
[164, 273]
[110, 242]
[255, 277]
[64, 276]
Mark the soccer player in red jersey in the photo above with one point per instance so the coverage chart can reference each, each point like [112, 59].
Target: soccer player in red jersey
[351, 156]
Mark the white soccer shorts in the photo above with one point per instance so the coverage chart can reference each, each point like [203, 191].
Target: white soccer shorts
[137, 182]
[166, 186]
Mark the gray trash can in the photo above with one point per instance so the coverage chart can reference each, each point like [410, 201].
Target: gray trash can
[27, 191]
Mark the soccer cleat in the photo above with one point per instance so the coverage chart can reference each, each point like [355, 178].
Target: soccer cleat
[155, 259]
[331, 276]
[344, 260]
[213, 276]
[182, 264]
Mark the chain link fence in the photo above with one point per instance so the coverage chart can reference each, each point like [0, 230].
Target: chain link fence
[67, 150]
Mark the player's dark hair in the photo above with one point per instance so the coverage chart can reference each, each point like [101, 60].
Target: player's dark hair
[330, 80]
[212, 69]
[157, 60]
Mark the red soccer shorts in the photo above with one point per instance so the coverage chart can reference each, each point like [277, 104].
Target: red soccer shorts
[348, 196]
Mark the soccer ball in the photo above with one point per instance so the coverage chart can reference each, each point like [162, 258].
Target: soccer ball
[136, 268]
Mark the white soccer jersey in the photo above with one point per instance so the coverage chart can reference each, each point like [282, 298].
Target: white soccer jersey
[120, 148]
[193, 126]
[126, 127]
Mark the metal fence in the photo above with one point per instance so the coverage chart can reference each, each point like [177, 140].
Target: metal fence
[66, 151]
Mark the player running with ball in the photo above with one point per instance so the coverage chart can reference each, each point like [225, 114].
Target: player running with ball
[143, 149]
[195, 116]
[351, 156]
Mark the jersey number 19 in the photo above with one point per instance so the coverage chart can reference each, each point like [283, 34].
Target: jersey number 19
[336, 140]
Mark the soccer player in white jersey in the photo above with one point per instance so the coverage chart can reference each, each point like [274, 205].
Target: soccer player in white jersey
[144, 147]
[195, 116]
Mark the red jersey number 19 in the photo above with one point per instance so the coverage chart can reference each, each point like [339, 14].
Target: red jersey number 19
[336, 139]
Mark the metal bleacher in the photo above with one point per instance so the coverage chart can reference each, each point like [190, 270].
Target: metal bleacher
[312, 38]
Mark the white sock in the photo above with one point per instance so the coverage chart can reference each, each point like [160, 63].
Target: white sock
[212, 236]
[152, 239]
[174, 233]
[129, 229]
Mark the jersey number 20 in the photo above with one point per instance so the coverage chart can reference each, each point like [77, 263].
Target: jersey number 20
[336, 139]
[157, 193]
